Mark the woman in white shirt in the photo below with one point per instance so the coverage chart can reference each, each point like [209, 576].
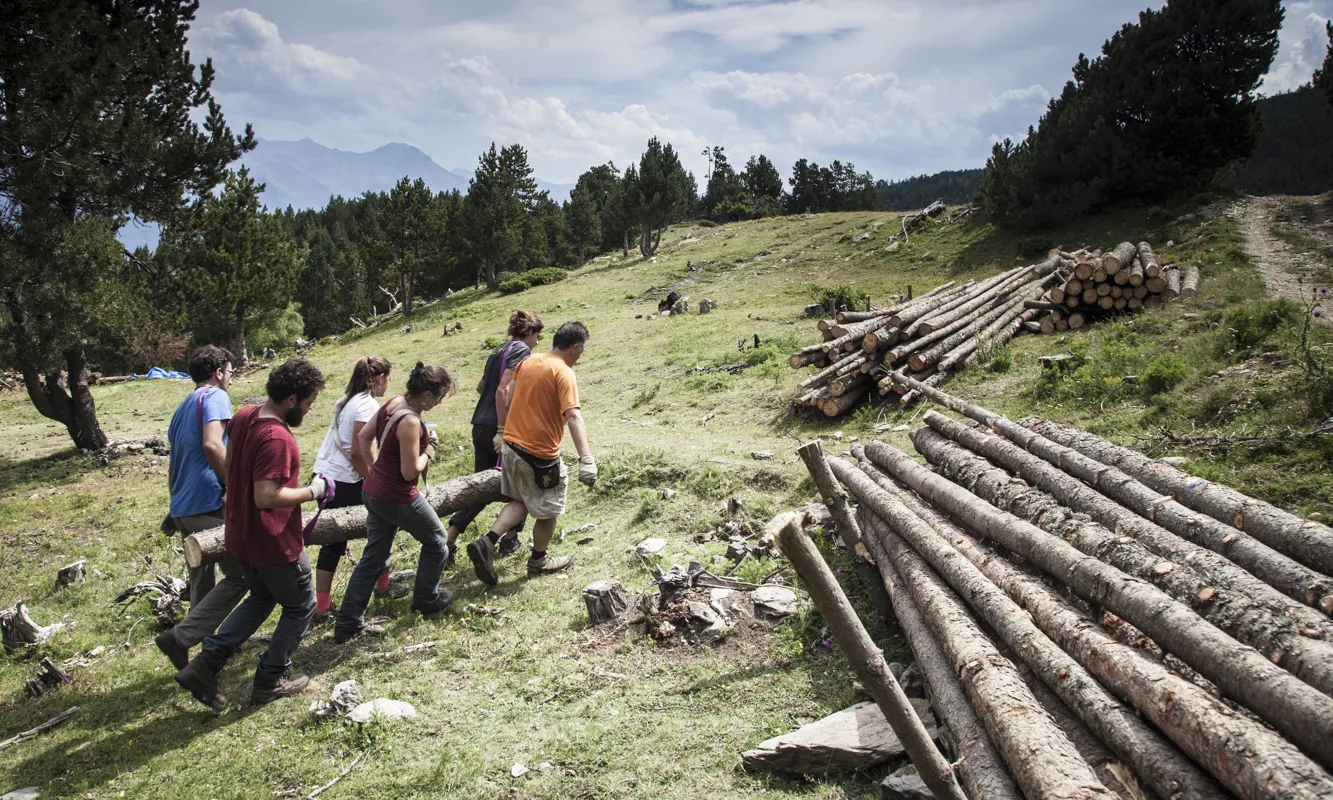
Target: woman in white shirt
[346, 463]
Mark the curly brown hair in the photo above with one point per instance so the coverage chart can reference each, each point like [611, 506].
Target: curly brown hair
[207, 360]
[295, 376]
[522, 323]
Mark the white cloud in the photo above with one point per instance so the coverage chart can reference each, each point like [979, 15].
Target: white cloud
[1304, 43]
[898, 87]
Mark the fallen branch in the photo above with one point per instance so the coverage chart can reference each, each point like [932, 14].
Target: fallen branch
[341, 775]
[53, 722]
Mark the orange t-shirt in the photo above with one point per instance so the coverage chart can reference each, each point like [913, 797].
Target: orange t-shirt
[544, 389]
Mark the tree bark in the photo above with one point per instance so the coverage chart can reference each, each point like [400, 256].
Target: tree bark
[1172, 290]
[981, 770]
[1191, 283]
[1153, 758]
[834, 406]
[1040, 756]
[1300, 712]
[344, 524]
[605, 600]
[1136, 275]
[1210, 586]
[1284, 574]
[1152, 265]
[1307, 541]
[982, 299]
[238, 336]
[1194, 719]
[864, 657]
[1118, 258]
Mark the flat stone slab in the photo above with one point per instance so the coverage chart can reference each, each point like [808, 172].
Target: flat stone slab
[650, 547]
[776, 601]
[905, 784]
[853, 739]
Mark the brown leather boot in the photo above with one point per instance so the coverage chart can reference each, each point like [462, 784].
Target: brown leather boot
[548, 564]
[267, 688]
[201, 682]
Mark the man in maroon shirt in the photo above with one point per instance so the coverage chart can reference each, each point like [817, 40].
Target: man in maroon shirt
[264, 533]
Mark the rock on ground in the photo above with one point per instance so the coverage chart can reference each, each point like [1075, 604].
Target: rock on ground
[905, 784]
[381, 707]
[649, 547]
[776, 601]
[853, 739]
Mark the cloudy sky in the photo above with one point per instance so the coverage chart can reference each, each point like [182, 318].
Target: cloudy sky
[899, 87]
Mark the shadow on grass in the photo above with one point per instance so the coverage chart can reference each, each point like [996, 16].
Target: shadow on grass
[55, 469]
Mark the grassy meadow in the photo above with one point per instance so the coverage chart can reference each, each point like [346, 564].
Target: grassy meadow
[591, 715]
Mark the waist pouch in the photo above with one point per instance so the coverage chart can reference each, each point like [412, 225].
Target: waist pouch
[545, 471]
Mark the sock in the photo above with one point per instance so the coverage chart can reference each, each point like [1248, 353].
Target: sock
[322, 602]
[493, 536]
[538, 555]
[383, 583]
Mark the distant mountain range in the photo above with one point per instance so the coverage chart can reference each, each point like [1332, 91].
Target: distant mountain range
[305, 174]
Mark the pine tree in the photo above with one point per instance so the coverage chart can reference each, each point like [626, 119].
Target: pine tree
[233, 256]
[1323, 77]
[763, 185]
[413, 234]
[96, 118]
[585, 220]
[664, 190]
[494, 209]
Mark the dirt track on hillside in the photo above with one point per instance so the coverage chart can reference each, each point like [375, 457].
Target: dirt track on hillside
[1278, 261]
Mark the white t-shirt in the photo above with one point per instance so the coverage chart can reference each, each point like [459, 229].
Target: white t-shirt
[336, 462]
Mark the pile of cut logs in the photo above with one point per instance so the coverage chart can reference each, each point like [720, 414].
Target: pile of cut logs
[934, 335]
[1091, 622]
[1127, 278]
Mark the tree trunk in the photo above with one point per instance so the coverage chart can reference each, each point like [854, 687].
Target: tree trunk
[63, 398]
[1218, 590]
[1153, 758]
[1152, 266]
[238, 336]
[1040, 756]
[1136, 276]
[492, 275]
[1194, 719]
[1191, 283]
[406, 286]
[626, 244]
[1296, 709]
[1304, 540]
[1119, 258]
[981, 770]
[979, 299]
[1285, 574]
[344, 524]
[845, 523]
[605, 599]
[866, 660]
[834, 406]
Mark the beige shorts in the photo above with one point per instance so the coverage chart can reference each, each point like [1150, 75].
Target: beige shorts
[518, 483]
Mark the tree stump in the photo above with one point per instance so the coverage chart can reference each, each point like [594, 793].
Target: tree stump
[17, 629]
[72, 574]
[49, 678]
[606, 600]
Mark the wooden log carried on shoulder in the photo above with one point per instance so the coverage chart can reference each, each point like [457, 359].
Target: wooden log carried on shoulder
[344, 524]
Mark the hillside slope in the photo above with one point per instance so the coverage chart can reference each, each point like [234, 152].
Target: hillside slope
[612, 716]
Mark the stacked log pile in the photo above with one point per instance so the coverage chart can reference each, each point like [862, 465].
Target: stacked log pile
[933, 335]
[1098, 622]
[1128, 278]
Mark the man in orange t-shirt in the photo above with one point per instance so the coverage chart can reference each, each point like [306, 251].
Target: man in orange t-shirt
[544, 400]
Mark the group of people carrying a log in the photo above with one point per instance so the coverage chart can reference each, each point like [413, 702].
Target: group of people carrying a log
[243, 472]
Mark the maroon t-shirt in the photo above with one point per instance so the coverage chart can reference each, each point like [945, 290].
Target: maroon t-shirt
[261, 450]
[385, 482]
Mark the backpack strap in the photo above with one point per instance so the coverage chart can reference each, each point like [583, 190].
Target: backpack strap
[199, 407]
[394, 419]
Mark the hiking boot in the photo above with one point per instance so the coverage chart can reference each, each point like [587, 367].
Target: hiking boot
[201, 682]
[271, 687]
[482, 553]
[171, 647]
[508, 546]
[548, 564]
[436, 606]
[368, 628]
[394, 592]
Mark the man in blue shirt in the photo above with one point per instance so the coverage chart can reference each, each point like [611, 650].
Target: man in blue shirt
[198, 435]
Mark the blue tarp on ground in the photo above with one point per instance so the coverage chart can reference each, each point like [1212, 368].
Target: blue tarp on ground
[158, 372]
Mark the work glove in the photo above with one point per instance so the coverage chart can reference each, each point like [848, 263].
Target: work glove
[433, 438]
[587, 470]
[319, 487]
[499, 441]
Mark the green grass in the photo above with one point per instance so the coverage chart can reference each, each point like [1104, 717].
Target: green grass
[622, 717]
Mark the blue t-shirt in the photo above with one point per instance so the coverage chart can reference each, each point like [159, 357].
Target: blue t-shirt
[195, 488]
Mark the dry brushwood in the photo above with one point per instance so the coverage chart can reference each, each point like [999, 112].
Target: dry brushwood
[19, 630]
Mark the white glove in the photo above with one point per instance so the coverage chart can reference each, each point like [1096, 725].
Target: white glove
[499, 441]
[319, 487]
[587, 470]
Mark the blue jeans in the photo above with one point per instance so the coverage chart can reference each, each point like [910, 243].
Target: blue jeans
[287, 585]
[382, 523]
